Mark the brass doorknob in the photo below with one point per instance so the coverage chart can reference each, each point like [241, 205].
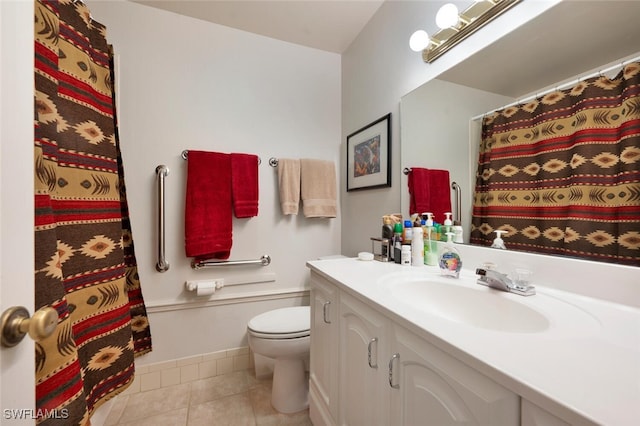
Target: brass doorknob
[16, 323]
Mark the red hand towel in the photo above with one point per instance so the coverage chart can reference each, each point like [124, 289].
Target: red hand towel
[208, 223]
[429, 192]
[244, 184]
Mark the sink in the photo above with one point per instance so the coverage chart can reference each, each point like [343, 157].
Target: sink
[481, 307]
[464, 302]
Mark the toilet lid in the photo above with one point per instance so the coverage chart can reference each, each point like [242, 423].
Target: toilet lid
[285, 322]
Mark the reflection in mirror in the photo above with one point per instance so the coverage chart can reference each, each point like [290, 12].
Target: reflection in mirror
[561, 173]
[560, 46]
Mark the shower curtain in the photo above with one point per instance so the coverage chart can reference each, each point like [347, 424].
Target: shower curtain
[85, 265]
[561, 174]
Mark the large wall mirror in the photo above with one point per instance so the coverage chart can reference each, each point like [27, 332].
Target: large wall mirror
[441, 120]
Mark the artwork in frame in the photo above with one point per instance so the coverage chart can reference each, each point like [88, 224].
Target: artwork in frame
[369, 156]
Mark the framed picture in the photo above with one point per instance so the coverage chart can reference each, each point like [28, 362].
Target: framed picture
[369, 156]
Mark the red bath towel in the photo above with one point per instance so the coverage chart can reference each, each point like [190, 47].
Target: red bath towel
[208, 223]
[244, 184]
[429, 191]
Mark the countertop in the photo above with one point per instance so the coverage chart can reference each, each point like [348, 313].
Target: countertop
[583, 366]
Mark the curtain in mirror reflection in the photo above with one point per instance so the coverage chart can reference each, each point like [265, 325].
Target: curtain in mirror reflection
[561, 174]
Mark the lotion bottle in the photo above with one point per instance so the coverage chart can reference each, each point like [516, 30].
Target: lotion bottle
[457, 232]
[417, 247]
[447, 223]
[498, 242]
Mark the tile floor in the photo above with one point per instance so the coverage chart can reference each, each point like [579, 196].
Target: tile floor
[229, 399]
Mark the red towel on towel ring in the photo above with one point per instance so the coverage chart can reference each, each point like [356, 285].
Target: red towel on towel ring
[208, 223]
[244, 184]
[429, 192]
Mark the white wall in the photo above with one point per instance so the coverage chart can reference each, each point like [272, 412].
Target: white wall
[438, 133]
[189, 84]
[377, 70]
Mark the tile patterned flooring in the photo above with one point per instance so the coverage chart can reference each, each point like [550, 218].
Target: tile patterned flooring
[231, 399]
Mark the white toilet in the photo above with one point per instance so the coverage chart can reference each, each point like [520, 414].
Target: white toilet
[284, 335]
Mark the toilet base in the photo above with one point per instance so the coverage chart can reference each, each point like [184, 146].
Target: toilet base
[290, 389]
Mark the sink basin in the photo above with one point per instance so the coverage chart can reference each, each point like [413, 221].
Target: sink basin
[480, 307]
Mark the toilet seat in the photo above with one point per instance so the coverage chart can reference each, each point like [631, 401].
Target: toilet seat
[284, 323]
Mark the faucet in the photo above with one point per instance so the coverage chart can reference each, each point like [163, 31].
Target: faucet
[500, 281]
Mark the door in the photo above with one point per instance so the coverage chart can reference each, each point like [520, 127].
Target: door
[16, 202]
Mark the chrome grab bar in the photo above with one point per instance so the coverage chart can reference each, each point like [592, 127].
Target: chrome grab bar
[162, 266]
[458, 211]
[197, 264]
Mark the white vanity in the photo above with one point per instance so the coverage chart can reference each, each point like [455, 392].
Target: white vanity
[400, 345]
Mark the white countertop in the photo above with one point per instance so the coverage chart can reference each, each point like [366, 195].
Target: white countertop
[584, 366]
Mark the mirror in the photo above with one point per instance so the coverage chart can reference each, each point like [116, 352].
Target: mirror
[570, 40]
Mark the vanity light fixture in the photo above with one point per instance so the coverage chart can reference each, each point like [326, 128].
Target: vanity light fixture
[455, 26]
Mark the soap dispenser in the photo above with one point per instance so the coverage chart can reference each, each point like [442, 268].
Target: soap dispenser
[449, 260]
[447, 223]
[430, 246]
[498, 242]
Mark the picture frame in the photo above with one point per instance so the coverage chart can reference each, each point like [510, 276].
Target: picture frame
[369, 156]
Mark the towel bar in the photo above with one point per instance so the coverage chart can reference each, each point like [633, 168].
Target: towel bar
[185, 155]
[263, 261]
[162, 266]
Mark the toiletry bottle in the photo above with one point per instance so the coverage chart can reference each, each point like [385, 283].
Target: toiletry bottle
[457, 232]
[387, 232]
[417, 247]
[498, 242]
[449, 260]
[416, 219]
[430, 255]
[406, 255]
[447, 223]
[407, 233]
[397, 242]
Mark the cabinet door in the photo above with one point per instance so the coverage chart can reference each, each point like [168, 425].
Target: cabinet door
[532, 415]
[433, 388]
[363, 354]
[323, 375]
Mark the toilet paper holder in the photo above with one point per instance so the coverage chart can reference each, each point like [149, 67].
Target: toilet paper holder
[204, 287]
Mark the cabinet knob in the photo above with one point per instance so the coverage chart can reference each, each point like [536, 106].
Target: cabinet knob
[16, 323]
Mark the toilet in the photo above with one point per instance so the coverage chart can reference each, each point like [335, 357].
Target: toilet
[283, 335]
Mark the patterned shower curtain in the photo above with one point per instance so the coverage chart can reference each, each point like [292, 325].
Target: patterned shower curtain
[561, 174]
[85, 265]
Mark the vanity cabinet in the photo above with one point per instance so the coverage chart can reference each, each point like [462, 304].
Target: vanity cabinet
[323, 374]
[364, 350]
[431, 387]
[388, 374]
[532, 415]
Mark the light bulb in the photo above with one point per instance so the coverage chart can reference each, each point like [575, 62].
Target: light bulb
[447, 16]
[419, 41]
